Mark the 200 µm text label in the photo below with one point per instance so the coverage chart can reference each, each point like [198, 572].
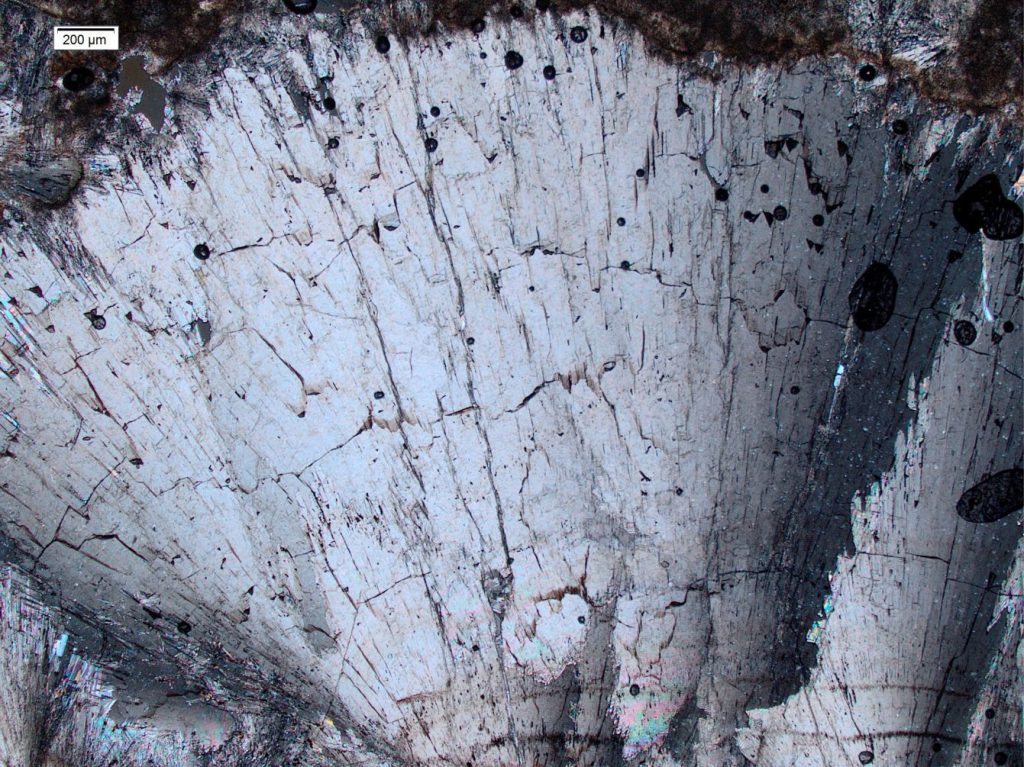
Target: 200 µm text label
[85, 38]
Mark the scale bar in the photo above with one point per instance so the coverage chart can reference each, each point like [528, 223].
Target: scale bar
[86, 38]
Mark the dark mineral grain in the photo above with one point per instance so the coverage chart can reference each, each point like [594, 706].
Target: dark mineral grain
[994, 497]
[873, 297]
[983, 206]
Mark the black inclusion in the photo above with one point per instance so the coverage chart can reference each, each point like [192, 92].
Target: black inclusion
[634, 690]
[794, 389]
[867, 73]
[1008, 327]
[184, 627]
[620, 221]
[435, 111]
[873, 297]
[866, 757]
[578, 34]
[98, 322]
[478, 26]
[780, 213]
[332, 143]
[330, 104]
[721, 194]
[818, 220]
[300, 6]
[640, 173]
[995, 497]
[543, 5]
[516, 12]
[964, 332]
[765, 189]
[1004, 222]
[983, 206]
[900, 127]
[78, 79]
[383, 45]
[513, 60]
[625, 265]
[549, 72]
[430, 144]
[378, 394]
[201, 251]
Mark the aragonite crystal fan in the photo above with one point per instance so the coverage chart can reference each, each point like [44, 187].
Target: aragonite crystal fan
[547, 386]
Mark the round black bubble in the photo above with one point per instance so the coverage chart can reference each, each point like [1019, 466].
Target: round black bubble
[470, 341]
[867, 73]
[936, 747]
[78, 79]
[964, 332]
[900, 127]
[818, 220]
[478, 26]
[300, 6]
[634, 690]
[679, 491]
[549, 72]
[640, 173]
[765, 189]
[578, 34]
[721, 194]
[873, 297]
[330, 104]
[98, 322]
[866, 757]
[990, 713]
[332, 143]
[430, 144]
[513, 60]
[794, 389]
[1008, 327]
[201, 251]
[435, 111]
[620, 221]
[184, 627]
[378, 394]
[995, 497]
[780, 213]
[383, 45]
[625, 265]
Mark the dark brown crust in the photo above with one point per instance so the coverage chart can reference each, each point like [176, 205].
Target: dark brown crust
[983, 74]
